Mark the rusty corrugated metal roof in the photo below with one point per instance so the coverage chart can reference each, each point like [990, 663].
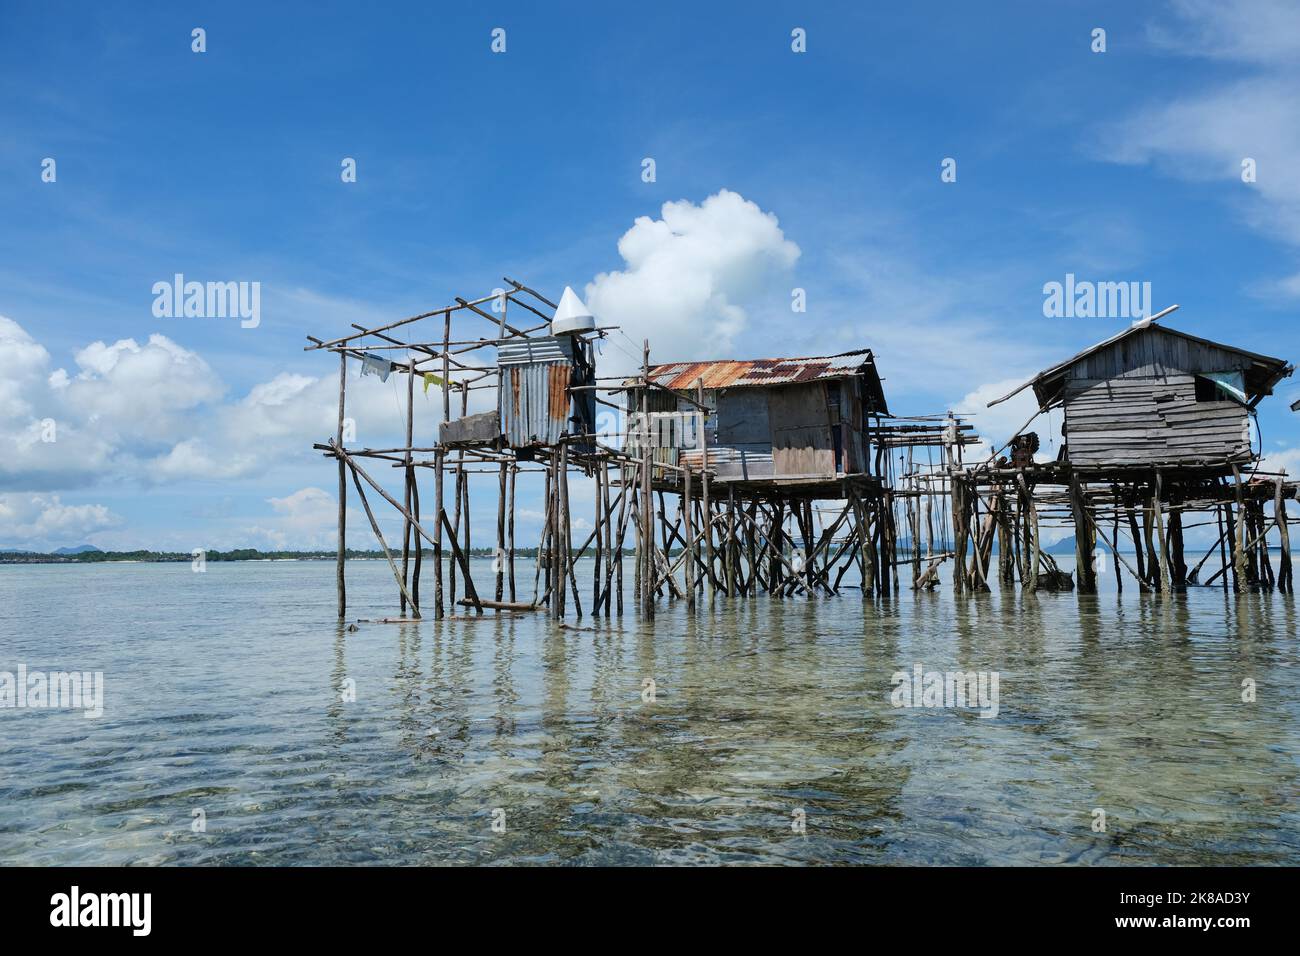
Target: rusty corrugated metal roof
[737, 373]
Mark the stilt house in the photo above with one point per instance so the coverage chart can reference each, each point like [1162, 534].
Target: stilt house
[1153, 396]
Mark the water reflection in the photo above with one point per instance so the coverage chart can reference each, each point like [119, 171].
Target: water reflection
[761, 710]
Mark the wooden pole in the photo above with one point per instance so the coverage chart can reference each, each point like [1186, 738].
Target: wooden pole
[959, 512]
[555, 575]
[374, 526]
[409, 475]
[1082, 538]
[1177, 559]
[1114, 546]
[439, 460]
[729, 547]
[343, 493]
[469, 584]
[707, 505]
[1238, 540]
[567, 531]
[1138, 550]
[510, 531]
[499, 559]
[691, 552]
[419, 545]
[600, 541]
[1157, 510]
[1032, 537]
[624, 508]
[647, 506]
[1148, 537]
[1284, 570]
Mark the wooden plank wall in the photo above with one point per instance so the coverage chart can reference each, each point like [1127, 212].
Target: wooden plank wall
[1135, 403]
[801, 434]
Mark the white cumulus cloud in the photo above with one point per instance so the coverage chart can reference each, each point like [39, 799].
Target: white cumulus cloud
[689, 275]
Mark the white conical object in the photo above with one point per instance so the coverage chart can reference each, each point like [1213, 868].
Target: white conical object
[571, 316]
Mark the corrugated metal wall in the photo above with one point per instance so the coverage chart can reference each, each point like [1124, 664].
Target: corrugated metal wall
[533, 398]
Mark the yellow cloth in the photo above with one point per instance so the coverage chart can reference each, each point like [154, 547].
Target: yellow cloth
[430, 379]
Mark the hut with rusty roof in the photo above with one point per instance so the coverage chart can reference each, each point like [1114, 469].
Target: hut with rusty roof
[775, 422]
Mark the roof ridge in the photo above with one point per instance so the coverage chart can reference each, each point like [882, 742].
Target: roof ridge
[750, 361]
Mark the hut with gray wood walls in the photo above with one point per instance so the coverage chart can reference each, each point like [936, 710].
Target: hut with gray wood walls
[1156, 422]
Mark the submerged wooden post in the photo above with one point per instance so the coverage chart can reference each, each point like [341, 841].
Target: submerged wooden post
[1032, 539]
[419, 545]
[776, 547]
[1177, 559]
[343, 492]
[499, 559]
[1138, 551]
[1148, 538]
[408, 474]
[707, 504]
[439, 457]
[624, 510]
[440, 463]
[599, 533]
[1284, 570]
[374, 526]
[958, 533]
[647, 505]
[510, 531]
[691, 553]
[559, 584]
[1114, 545]
[1219, 509]
[1082, 538]
[1238, 538]
[869, 523]
[1279, 515]
[1157, 510]
[729, 546]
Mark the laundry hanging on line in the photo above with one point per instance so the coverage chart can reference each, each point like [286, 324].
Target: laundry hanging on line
[372, 364]
[431, 379]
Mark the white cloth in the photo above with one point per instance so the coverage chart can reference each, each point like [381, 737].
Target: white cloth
[372, 364]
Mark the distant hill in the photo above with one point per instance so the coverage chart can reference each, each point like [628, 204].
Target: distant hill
[79, 549]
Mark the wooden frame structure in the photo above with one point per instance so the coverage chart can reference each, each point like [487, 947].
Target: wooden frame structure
[1157, 441]
[690, 531]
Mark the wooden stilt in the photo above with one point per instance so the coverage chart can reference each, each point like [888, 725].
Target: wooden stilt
[409, 476]
[1084, 571]
[1239, 579]
[499, 558]
[1157, 511]
[691, 553]
[340, 583]
[439, 460]
[1284, 571]
[510, 532]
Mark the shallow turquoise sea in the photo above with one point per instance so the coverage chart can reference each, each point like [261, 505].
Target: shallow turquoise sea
[511, 740]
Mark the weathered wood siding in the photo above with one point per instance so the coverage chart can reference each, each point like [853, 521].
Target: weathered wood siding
[801, 431]
[1135, 404]
[785, 431]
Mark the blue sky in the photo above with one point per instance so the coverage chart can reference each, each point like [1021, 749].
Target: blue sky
[225, 165]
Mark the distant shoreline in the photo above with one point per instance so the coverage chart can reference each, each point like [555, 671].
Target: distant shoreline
[250, 554]
[240, 554]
